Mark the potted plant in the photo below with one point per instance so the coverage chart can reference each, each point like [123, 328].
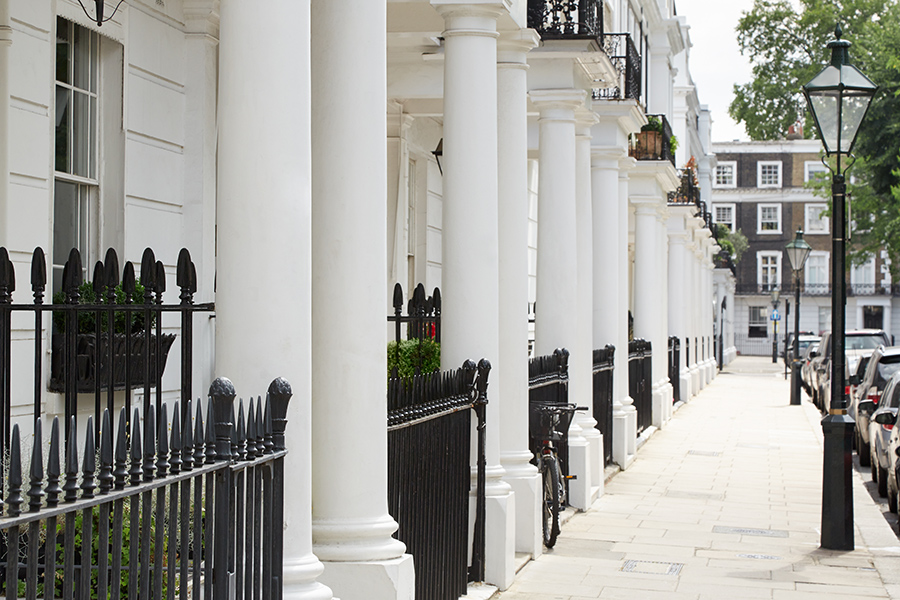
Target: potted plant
[650, 143]
[129, 340]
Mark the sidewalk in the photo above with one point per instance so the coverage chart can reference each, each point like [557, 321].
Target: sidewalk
[725, 502]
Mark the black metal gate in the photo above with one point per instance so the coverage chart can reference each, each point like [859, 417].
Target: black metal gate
[429, 475]
[176, 510]
[603, 397]
[675, 367]
[640, 381]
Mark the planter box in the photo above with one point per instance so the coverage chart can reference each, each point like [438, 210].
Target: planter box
[91, 364]
[649, 146]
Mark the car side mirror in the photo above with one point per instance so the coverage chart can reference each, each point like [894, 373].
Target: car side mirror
[855, 380]
[866, 406]
[886, 418]
[813, 354]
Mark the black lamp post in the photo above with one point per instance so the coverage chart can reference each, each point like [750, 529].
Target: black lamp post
[99, 6]
[798, 251]
[838, 97]
[775, 294]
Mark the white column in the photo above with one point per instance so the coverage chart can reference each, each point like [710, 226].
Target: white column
[512, 128]
[648, 292]
[625, 436]
[556, 308]
[608, 311]
[729, 321]
[471, 293]
[263, 240]
[661, 358]
[351, 526]
[581, 386]
[5, 43]
[696, 294]
[678, 319]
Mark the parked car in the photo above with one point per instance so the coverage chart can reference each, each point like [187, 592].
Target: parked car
[884, 441]
[803, 341]
[805, 375]
[882, 364]
[857, 343]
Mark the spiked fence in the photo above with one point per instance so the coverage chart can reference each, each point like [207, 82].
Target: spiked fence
[190, 511]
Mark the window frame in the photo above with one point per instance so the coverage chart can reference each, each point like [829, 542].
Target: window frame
[760, 328]
[729, 205]
[806, 220]
[819, 168]
[726, 163]
[769, 163]
[759, 221]
[807, 268]
[767, 286]
[87, 188]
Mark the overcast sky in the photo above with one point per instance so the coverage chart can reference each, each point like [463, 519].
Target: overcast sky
[716, 61]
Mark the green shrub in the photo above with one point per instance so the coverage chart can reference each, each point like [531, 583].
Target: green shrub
[408, 354]
[87, 319]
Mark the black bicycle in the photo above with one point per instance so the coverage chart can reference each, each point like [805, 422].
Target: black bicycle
[549, 425]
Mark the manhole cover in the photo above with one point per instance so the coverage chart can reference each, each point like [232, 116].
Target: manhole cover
[694, 495]
[759, 556]
[651, 567]
[703, 453]
[746, 531]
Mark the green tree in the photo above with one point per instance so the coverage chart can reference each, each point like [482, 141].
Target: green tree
[786, 48]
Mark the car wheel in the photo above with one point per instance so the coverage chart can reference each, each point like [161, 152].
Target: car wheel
[882, 482]
[862, 449]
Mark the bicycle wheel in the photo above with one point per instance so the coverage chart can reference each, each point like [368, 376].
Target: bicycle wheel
[551, 480]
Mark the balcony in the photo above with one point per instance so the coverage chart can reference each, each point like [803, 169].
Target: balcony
[653, 141]
[627, 61]
[818, 289]
[688, 192]
[567, 19]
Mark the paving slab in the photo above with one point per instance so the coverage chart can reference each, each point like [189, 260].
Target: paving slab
[723, 502]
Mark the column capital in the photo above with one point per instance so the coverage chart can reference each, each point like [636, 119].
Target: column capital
[566, 101]
[606, 156]
[512, 46]
[584, 120]
[626, 164]
[644, 205]
[468, 17]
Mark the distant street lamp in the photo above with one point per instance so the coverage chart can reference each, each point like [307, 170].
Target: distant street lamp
[775, 294]
[838, 97]
[797, 251]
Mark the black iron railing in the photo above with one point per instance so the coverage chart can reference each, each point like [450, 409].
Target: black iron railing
[418, 350]
[603, 371]
[567, 19]
[640, 382]
[688, 191]
[113, 342]
[675, 367]
[626, 59]
[548, 383]
[175, 510]
[654, 142]
[429, 475]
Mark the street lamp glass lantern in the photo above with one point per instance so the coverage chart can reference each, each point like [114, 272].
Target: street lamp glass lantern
[776, 293]
[839, 97]
[798, 251]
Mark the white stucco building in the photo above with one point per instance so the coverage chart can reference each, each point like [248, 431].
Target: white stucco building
[291, 146]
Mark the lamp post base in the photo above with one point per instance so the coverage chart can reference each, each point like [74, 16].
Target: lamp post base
[837, 491]
[795, 383]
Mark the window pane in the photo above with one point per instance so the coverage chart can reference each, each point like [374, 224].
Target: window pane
[82, 159]
[83, 55]
[63, 132]
[63, 50]
[65, 220]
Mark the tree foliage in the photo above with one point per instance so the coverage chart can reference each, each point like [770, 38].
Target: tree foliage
[787, 48]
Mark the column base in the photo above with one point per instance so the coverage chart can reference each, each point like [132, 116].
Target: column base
[580, 467]
[695, 380]
[661, 404]
[300, 576]
[624, 438]
[595, 453]
[499, 538]
[685, 389]
[528, 494]
[393, 579]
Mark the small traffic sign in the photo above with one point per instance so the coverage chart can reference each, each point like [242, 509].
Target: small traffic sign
[775, 316]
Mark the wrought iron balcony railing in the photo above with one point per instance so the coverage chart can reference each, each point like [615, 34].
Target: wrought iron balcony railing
[627, 60]
[654, 141]
[818, 289]
[567, 19]
[688, 192]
